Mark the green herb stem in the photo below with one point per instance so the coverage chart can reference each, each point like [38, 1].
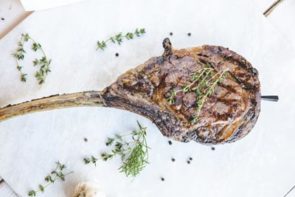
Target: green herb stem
[133, 151]
[210, 90]
[119, 38]
[42, 62]
[57, 174]
[203, 84]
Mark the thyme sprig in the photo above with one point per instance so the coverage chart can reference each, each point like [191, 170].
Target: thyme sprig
[118, 38]
[203, 84]
[133, 154]
[43, 62]
[211, 83]
[20, 55]
[195, 78]
[59, 173]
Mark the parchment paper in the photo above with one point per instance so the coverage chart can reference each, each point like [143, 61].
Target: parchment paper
[260, 165]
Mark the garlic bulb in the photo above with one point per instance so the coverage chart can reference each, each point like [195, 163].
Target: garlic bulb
[87, 189]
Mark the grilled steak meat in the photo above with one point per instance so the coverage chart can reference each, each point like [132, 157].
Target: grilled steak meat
[227, 115]
[208, 94]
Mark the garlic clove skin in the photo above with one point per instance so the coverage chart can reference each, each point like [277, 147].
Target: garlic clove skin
[88, 189]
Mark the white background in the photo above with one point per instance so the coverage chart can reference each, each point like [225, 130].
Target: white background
[262, 164]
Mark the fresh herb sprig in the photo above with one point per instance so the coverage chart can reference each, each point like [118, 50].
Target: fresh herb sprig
[58, 174]
[133, 154]
[203, 83]
[43, 62]
[211, 84]
[198, 77]
[20, 55]
[119, 38]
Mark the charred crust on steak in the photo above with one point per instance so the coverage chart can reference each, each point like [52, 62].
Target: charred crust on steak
[227, 115]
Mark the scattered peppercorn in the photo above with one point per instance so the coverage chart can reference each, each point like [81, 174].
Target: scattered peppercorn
[189, 34]
[162, 179]
[85, 139]
[171, 33]
[117, 54]
[212, 148]
[170, 142]
[190, 158]
[188, 162]
[172, 159]
[2, 19]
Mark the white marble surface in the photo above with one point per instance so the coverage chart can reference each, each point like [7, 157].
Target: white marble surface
[260, 165]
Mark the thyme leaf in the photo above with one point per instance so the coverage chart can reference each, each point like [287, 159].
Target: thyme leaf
[23, 77]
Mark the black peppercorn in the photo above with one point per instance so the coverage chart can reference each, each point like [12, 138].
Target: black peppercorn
[189, 34]
[170, 142]
[212, 148]
[2, 19]
[172, 159]
[117, 54]
[171, 33]
[190, 158]
[162, 179]
[85, 139]
[188, 162]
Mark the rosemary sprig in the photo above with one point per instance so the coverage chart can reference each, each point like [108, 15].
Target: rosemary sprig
[203, 83]
[118, 38]
[42, 62]
[57, 174]
[133, 154]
